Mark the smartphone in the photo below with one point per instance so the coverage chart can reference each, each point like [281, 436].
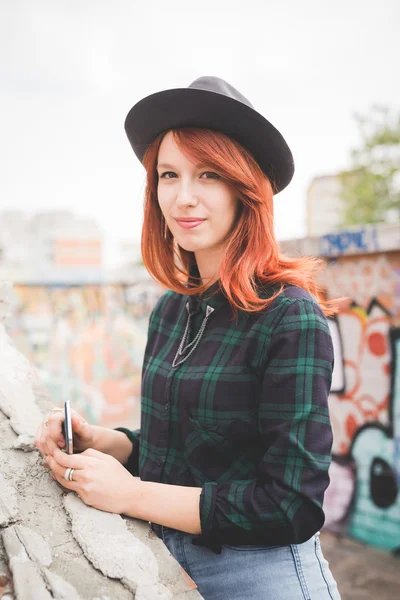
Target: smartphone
[67, 428]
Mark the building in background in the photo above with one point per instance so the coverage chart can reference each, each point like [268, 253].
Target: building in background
[131, 268]
[323, 204]
[363, 265]
[83, 326]
[50, 247]
[130, 252]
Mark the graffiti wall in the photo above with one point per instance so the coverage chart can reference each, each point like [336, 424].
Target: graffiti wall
[363, 498]
[87, 344]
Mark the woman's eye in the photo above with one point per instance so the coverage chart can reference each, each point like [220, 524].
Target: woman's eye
[172, 175]
[211, 175]
[163, 175]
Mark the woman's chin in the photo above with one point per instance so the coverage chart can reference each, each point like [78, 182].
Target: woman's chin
[191, 245]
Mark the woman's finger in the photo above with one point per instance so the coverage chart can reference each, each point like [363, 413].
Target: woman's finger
[41, 441]
[51, 432]
[59, 471]
[70, 485]
[41, 437]
[82, 428]
[46, 444]
[96, 454]
[55, 421]
[74, 461]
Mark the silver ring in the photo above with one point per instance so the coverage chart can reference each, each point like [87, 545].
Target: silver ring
[67, 474]
[71, 474]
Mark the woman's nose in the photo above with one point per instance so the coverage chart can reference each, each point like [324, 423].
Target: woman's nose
[186, 196]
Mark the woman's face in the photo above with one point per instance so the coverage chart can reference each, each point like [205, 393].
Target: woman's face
[198, 206]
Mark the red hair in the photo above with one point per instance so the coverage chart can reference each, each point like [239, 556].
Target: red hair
[252, 257]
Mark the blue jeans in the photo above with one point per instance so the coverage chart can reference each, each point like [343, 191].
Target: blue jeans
[295, 572]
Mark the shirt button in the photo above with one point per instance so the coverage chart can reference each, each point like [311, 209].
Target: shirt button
[166, 406]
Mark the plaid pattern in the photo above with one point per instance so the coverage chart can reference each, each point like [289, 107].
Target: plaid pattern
[245, 417]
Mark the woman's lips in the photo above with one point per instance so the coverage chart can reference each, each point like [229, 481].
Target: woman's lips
[189, 224]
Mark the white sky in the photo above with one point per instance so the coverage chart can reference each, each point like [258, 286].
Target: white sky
[71, 69]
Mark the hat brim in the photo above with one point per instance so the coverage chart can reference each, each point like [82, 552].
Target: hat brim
[190, 107]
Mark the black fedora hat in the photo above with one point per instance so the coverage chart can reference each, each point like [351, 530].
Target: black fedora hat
[212, 103]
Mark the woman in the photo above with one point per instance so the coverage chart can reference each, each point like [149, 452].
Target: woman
[235, 440]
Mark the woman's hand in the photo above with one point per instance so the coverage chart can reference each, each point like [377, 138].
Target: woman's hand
[98, 479]
[49, 434]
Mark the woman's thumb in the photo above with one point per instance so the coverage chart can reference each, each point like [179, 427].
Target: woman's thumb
[78, 424]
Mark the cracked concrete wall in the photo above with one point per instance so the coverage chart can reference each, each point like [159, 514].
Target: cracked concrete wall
[52, 545]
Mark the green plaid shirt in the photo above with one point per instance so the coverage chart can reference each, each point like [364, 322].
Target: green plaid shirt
[244, 417]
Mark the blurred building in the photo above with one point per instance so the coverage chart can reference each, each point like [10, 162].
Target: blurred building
[130, 252]
[140, 289]
[355, 240]
[323, 205]
[50, 247]
[130, 268]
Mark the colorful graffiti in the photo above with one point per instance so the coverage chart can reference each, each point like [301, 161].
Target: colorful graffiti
[365, 369]
[363, 498]
[87, 344]
[360, 240]
[364, 279]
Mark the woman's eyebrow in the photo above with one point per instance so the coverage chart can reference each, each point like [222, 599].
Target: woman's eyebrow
[165, 166]
[168, 166]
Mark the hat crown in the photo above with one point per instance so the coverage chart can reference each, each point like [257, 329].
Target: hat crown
[212, 103]
[219, 86]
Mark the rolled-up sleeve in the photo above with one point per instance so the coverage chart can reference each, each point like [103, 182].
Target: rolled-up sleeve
[132, 464]
[283, 503]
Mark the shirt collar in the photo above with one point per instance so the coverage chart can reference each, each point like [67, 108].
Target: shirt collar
[213, 296]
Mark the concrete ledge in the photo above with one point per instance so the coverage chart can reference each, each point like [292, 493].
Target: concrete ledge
[52, 545]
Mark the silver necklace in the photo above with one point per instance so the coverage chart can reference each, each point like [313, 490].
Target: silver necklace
[194, 343]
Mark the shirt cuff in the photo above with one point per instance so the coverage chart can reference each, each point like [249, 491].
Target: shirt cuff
[132, 464]
[208, 498]
[209, 532]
